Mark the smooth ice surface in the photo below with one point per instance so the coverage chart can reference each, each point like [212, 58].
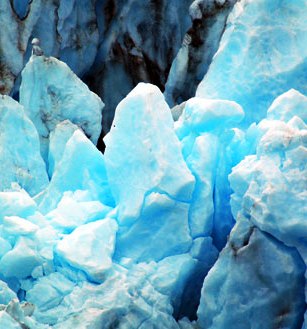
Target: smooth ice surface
[19, 149]
[142, 143]
[57, 142]
[51, 93]
[261, 53]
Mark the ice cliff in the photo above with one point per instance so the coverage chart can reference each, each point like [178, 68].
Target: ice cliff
[115, 42]
[195, 223]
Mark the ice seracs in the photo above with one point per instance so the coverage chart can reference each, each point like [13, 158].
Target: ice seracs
[51, 93]
[21, 162]
[261, 54]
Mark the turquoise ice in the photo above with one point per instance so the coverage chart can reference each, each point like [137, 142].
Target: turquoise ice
[198, 223]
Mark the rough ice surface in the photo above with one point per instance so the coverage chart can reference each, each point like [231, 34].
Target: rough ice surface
[262, 55]
[198, 223]
[209, 148]
[48, 102]
[81, 168]
[19, 145]
[263, 293]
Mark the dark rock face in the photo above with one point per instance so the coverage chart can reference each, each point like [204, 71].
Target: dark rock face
[114, 44]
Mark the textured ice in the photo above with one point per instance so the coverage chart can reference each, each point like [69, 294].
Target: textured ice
[19, 150]
[210, 150]
[270, 186]
[80, 168]
[96, 241]
[48, 102]
[262, 54]
[135, 238]
[256, 283]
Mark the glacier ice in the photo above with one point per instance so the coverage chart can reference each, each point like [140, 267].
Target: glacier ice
[210, 148]
[48, 102]
[263, 293]
[198, 223]
[96, 241]
[262, 55]
[20, 161]
[81, 167]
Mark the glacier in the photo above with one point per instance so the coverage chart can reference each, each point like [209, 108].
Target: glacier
[194, 217]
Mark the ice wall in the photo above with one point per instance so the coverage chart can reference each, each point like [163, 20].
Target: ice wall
[198, 223]
[262, 56]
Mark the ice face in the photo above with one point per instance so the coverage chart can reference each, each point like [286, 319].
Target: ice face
[210, 148]
[80, 168]
[152, 152]
[271, 185]
[50, 93]
[135, 238]
[262, 55]
[19, 149]
[260, 293]
[145, 117]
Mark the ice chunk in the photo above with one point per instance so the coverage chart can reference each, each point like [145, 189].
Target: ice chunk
[19, 150]
[204, 115]
[142, 143]
[81, 168]
[270, 187]
[210, 148]
[288, 105]
[49, 291]
[57, 142]
[256, 282]
[21, 260]
[261, 55]
[6, 294]
[51, 93]
[17, 203]
[161, 230]
[125, 299]
[15, 225]
[76, 209]
[95, 243]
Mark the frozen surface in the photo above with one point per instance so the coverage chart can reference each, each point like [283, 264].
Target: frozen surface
[256, 283]
[262, 53]
[210, 149]
[19, 149]
[48, 102]
[164, 193]
[96, 240]
[270, 186]
[80, 168]
[135, 238]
